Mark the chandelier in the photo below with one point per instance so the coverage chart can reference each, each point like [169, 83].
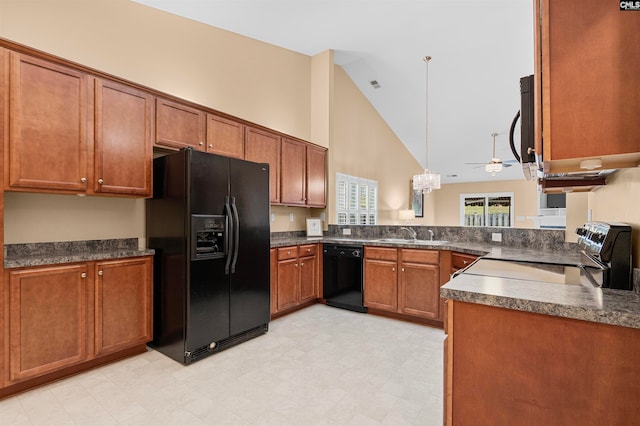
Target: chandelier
[427, 181]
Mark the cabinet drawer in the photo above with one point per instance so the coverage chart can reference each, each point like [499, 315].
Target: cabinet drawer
[381, 253]
[421, 256]
[308, 250]
[287, 253]
[459, 260]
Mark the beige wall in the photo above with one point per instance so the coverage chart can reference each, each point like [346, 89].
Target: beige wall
[619, 201]
[31, 218]
[363, 145]
[447, 200]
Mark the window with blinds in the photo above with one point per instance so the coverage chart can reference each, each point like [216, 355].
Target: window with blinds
[357, 200]
[492, 209]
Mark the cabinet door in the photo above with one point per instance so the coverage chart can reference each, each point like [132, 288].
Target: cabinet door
[380, 285]
[273, 262]
[420, 290]
[264, 147]
[49, 126]
[288, 279]
[48, 319]
[308, 278]
[225, 137]
[293, 177]
[123, 144]
[179, 126]
[590, 57]
[123, 304]
[316, 176]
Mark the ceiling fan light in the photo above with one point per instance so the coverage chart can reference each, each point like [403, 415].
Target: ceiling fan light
[493, 168]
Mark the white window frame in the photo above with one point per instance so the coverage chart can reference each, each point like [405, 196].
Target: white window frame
[356, 200]
[486, 220]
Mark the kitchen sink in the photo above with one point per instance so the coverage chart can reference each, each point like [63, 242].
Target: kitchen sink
[410, 241]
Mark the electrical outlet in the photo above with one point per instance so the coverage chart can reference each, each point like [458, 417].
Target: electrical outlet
[290, 217]
[323, 216]
[346, 231]
[273, 217]
[496, 236]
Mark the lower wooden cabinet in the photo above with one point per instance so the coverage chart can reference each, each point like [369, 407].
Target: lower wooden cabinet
[49, 319]
[123, 304]
[405, 281]
[461, 260]
[63, 315]
[296, 278]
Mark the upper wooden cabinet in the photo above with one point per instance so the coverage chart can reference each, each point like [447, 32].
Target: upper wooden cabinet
[587, 61]
[316, 183]
[50, 126]
[123, 141]
[225, 137]
[72, 133]
[264, 147]
[303, 175]
[179, 126]
[293, 172]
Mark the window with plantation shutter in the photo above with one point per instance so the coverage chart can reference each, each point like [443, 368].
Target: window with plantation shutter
[357, 200]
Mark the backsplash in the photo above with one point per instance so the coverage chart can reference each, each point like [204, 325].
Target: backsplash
[65, 248]
[511, 237]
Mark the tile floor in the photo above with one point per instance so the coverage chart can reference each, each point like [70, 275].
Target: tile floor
[318, 366]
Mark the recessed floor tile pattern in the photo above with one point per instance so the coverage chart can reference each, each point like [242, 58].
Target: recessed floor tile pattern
[318, 366]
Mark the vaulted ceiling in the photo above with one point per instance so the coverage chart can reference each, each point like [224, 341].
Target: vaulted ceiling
[480, 49]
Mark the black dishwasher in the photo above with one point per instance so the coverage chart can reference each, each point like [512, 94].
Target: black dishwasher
[342, 276]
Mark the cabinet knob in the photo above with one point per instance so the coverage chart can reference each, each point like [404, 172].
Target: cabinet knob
[302, 264]
[100, 181]
[210, 145]
[83, 180]
[464, 262]
[289, 252]
[402, 269]
[296, 265]
[201, 143]
[393, 269]
[83, 275]
[100, 273]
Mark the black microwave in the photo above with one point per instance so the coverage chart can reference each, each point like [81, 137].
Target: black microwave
[525, 153]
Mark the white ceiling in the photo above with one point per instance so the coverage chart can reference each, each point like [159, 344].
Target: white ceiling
[480, 49]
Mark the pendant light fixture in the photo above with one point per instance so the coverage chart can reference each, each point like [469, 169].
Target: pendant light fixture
[428, 181]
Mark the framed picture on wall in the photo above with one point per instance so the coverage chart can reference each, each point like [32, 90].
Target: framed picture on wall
[417, 199]
[314, 227]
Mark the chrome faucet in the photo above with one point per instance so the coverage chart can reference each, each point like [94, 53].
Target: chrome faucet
[414, 234]
[430, 234]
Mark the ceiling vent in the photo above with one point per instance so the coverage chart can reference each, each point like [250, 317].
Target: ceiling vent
[375, 84]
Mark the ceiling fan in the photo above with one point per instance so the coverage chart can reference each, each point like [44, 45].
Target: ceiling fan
[495, 165]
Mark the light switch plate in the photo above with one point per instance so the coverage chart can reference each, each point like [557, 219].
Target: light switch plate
[323, 216]
[346, 231]
[496, 236]
[273, 217]
[290, 217]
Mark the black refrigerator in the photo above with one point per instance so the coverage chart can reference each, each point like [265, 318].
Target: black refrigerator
[208, 222]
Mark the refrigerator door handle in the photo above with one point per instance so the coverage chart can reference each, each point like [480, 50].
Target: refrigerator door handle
[228, 235]
[236, 234]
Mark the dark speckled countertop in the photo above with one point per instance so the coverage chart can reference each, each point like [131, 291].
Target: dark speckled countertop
[38, 254]
[614, 307]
